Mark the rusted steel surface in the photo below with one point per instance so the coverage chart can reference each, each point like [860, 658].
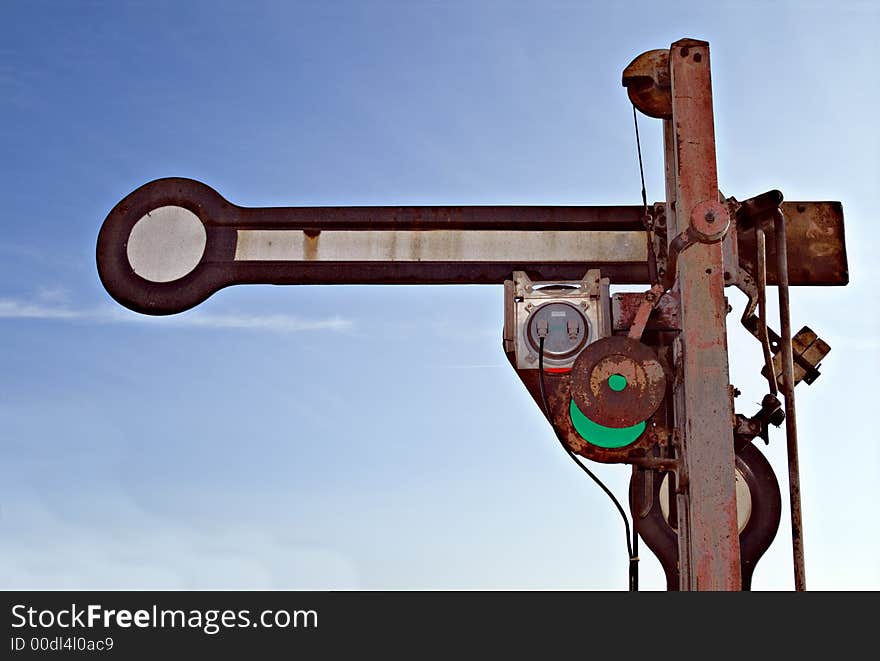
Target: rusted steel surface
[649, 300]
[664, 317]
[645, 382]
[788, 383]
[754, 538]
[763, 332]
[224, 221]
[814, 242]
[808, 350]
[708, 545]
[647, 83]
[559, 398]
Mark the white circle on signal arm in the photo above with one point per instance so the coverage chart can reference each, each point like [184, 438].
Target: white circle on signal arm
[743, 500]
[166, 244]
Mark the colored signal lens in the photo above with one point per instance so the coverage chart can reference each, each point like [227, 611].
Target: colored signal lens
[617, 382]
[601, 436]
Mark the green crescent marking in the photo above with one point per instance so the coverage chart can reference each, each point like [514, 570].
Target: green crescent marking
[601, 436]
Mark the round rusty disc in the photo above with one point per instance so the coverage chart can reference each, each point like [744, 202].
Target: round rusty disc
[607, 402]
[648, 85]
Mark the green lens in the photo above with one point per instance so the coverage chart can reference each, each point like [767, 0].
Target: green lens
[601, 436]
[617, 382]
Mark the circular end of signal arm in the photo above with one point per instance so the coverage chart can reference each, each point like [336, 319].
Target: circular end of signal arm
[164, 248]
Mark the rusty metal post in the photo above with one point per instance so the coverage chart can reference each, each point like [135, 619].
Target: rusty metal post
[791, 439]
[708, 537]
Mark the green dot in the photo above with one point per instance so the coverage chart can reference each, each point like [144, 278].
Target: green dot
[617, 382]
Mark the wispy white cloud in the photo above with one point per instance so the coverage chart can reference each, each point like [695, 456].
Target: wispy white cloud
[12, 309]
[53, 294]
[280, 323]
[273, 322]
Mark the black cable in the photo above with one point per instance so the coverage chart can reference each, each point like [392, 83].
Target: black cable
[634, 552]
[641, 167]
[633, 559]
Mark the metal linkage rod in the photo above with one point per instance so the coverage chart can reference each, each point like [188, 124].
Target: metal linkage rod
[764, 335]
[791, 440]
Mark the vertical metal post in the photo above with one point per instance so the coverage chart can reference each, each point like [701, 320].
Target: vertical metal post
[791, 439]
[708, 536]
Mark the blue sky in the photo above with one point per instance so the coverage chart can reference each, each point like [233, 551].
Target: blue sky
[374, 437]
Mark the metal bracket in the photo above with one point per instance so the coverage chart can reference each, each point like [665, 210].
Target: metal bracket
[710, 222]
[651, 299]
[808, 351]
[747, 429]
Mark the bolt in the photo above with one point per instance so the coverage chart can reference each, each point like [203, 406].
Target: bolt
[710, 216]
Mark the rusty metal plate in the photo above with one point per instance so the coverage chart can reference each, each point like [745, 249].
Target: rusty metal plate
[658, 431]
[597, 371]
[647, 83]
[808, 351]
[815, 241]
[664, 317]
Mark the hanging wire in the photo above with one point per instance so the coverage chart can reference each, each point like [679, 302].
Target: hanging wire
[647, 218]
[641, 165]
[633, 570]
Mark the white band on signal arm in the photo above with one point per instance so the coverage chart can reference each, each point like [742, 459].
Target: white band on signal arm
[440, 246]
